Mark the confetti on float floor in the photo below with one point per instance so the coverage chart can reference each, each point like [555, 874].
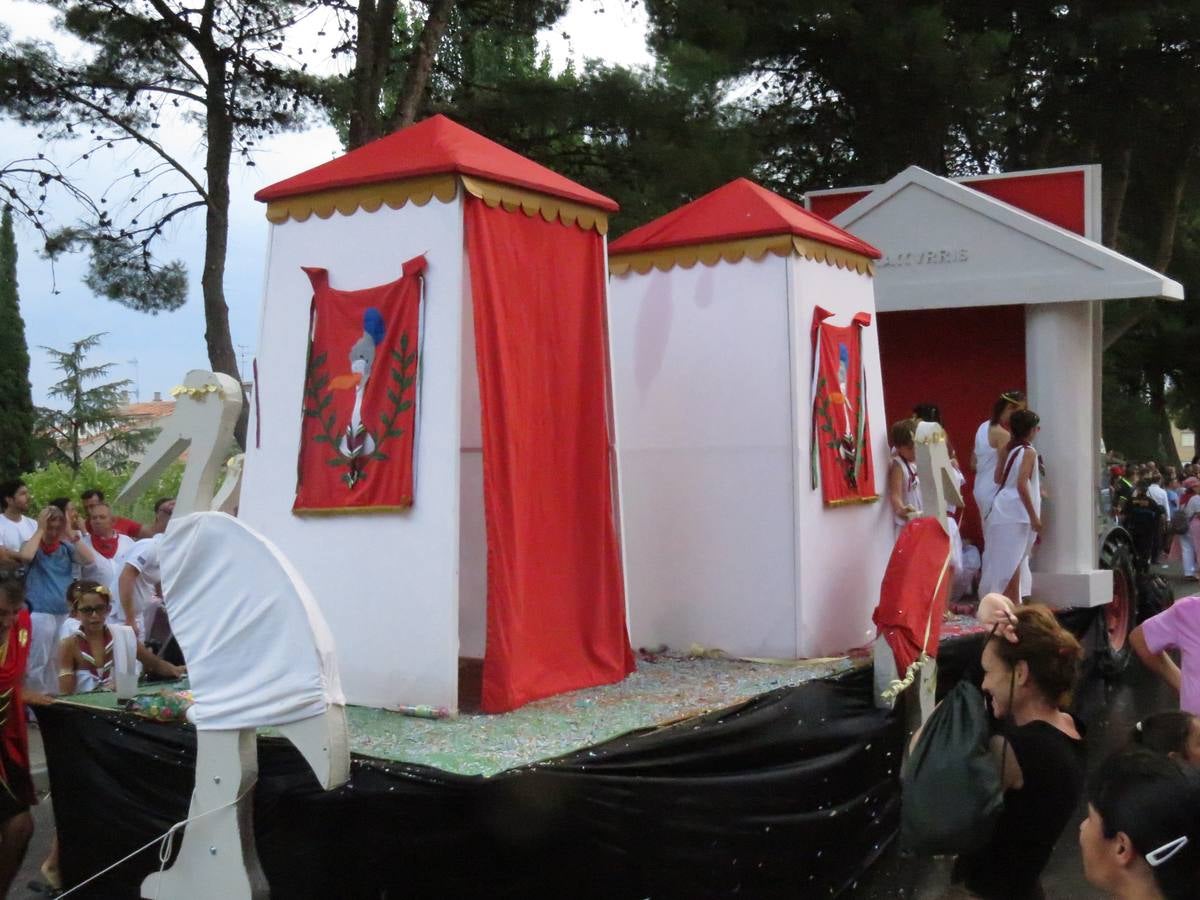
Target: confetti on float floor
[666, 687]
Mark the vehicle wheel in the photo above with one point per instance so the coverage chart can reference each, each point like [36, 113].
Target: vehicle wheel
[1114, 620]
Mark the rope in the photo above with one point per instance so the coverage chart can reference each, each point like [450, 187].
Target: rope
[168, 839]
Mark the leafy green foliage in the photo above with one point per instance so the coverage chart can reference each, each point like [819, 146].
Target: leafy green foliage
[91, 424]
[219, 67]
[16, 400]
[852, 93]
[59, 480]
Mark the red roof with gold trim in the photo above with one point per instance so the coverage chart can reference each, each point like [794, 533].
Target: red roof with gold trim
[434, 146]
[738, 210]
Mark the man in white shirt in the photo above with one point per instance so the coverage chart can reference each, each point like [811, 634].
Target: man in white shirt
[15, 527]
[1158, 494]
[138, 587]
[111, 547]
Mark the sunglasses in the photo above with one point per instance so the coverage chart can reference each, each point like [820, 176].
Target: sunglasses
[90, 610]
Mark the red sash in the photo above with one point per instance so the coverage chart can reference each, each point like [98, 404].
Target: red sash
[13, 734]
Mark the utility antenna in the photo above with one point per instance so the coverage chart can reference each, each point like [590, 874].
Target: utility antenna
[137, 380]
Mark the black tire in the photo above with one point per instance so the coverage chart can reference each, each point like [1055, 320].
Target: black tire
[1109, 635]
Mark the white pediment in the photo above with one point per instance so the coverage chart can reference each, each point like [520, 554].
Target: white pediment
[946, 246]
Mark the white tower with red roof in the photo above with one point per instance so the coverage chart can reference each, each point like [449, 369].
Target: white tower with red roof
[726, 541]
[512, 311]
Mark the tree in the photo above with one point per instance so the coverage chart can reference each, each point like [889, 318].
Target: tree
[399, 52]
[92, 425]
[217, 64]
[854, 92]
[16, 398]
[392, 67]
[650, 139]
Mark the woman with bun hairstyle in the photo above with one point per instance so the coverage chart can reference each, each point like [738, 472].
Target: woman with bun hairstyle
[990, 437]
[1014, 520]
[1030, 665]
[1141, 837]
[1174, 733]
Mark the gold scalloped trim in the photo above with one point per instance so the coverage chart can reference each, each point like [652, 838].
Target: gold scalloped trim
[420, 191]
[735, 251]
[532, 203]
[369, 197]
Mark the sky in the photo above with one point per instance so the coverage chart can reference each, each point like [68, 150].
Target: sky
[156, 351]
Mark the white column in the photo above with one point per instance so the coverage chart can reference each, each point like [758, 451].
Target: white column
[1059, 360]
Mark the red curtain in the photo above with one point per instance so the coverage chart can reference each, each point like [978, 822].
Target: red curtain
[556, 605]
[360, 388]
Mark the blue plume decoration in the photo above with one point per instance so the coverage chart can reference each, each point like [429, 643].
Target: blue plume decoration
[373, 324]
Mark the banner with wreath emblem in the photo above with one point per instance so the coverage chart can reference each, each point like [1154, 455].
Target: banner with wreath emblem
[360, 396]
[841, 434]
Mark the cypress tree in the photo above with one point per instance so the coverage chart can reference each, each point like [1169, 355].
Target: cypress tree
[16, 397]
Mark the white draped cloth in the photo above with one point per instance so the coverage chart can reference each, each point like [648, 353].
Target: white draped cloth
[984, 488]
[258, 650]
[1008, 536]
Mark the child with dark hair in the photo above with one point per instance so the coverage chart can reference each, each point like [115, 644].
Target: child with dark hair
[1014, 520]
[1173, 733]
[1141, 837]
[904, 487]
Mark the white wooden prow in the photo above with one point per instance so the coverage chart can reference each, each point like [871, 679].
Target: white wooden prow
[939, 490]
[207, 406]
[217, 856]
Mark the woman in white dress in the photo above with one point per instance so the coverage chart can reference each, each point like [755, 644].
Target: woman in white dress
[990, 436]
[1014, 520]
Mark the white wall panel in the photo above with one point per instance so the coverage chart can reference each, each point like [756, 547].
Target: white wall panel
[702, 388]
[841, 551]
[387, 583]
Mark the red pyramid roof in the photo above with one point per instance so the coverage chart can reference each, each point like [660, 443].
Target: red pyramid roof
[740, 209]
[434, 146]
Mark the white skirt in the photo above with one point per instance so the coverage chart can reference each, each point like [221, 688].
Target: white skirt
[1006, 548]
[41, 669]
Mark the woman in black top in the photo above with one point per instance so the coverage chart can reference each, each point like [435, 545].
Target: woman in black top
[1029, 668]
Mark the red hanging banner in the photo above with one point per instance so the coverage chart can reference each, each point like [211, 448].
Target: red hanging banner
[841, 434]
[555, 601]
[360, 396]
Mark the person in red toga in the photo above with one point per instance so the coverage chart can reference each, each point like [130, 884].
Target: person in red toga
[16, 823]
[95, 497]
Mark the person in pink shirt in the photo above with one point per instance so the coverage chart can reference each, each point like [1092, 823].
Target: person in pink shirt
[1175, 628]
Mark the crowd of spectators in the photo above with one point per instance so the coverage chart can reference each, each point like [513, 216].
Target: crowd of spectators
[76, 581]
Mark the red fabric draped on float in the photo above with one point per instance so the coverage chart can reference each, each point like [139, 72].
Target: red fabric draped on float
[360, 390]
[14, 738]
[556, 605]
[914, 592]
[841, 434]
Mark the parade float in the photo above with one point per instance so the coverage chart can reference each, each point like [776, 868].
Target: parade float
[439, 470]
